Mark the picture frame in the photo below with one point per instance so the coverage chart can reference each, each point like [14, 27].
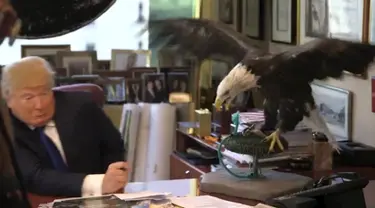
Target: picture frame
[284, 21]
[371, 23]
[335, 106]
[115, 90]
[227, 11]
[153, 88]
[123, 60]
[103, 65]
[317, 18]
[178, 82]
[252, 18]
[134, 90]
[138, 71]
[48, 52]
[357, 20]
[77, 62]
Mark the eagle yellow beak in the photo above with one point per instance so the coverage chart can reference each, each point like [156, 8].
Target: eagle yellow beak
[219, 103]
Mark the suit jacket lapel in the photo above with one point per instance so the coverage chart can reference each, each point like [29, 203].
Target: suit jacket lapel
[64, 127]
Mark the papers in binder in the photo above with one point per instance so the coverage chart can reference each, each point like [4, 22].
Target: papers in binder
[145, 195]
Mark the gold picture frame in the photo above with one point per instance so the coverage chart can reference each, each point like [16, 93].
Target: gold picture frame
[123, 60]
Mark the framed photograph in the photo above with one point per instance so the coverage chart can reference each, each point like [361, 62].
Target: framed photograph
[77, 62]
[115, 89]
[138, 71]
[123, 60]
[178, 82]
[284, 21]
[347, 19]
[103, 65]
[134, 90]
[153, 88]
[48, 52]
[227, 11]
[371, 23]
[252, 18]
[335, 106]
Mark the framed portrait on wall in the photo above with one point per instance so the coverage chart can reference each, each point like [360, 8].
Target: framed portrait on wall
[225, 12]
[317, 18]
[123, 60]
[252, 18]
[284, 21]
[347, 19]
[335, 106]
[371, 22]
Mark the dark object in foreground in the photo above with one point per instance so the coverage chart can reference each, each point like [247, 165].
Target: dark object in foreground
[341, 190]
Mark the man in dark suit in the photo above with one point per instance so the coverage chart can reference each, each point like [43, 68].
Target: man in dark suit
[66, 145]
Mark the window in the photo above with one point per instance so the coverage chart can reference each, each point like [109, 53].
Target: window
[115, 29]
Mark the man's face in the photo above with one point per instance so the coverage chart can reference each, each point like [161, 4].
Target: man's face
[150, 85]
[34, 106]
[158, 84]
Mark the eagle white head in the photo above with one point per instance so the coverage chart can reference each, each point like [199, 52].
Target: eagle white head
[238, 80]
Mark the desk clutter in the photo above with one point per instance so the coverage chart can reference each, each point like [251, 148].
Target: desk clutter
[147, 199]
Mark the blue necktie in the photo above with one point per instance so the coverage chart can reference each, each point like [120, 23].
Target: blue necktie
[53, 152]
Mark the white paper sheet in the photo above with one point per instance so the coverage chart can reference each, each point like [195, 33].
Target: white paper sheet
[205, 202]
[161, 141]
[142, 196]
[142, 143]
[129, 130]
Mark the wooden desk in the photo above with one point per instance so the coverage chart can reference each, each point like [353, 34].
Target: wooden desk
[184, 187]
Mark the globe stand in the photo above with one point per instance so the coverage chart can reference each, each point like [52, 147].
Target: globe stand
[252, 144]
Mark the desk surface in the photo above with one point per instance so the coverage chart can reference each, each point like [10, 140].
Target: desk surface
[183, 187]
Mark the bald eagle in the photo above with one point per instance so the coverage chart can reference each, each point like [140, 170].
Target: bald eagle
[283, 78]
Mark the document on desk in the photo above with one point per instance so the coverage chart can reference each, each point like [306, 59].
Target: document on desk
[144, 195]
[205, 202]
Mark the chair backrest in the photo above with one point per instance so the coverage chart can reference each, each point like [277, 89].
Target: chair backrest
[97, 92]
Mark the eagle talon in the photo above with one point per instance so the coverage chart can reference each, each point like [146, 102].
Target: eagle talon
[275, 139]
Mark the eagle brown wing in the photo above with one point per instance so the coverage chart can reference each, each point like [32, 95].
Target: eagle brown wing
[201, 38]
[317, 59]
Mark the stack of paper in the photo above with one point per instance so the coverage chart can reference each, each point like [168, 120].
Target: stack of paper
[144, 195]
[209, 202]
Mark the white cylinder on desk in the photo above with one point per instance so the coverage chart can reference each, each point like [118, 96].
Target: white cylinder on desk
[161, 141]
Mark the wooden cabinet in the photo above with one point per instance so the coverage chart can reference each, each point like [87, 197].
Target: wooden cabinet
[181, 169]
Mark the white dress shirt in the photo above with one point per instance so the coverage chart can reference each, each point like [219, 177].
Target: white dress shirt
[92, 184]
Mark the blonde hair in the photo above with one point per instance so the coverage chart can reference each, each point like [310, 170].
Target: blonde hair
[27, 72]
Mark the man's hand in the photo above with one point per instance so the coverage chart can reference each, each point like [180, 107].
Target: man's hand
[115, 178]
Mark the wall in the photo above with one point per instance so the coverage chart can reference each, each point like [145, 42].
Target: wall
[363, 127]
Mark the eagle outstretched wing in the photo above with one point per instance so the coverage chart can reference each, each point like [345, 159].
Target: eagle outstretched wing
[203, 39]
[317, 59]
